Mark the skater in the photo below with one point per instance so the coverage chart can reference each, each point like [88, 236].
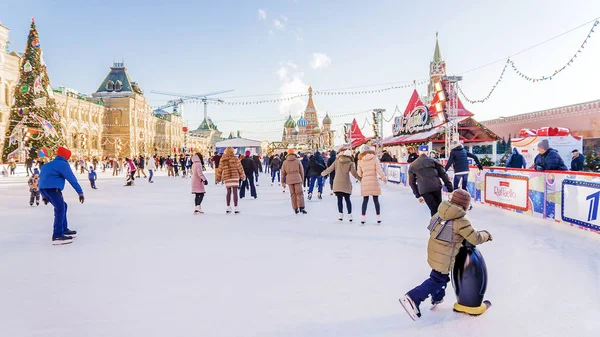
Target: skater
[305, 160]
[316, 166]
[130, 172]
[250, 170]
[266, 164]
[175, 166]
[459, 157]
[169, 163]
[12, 165]
[141, 164]
[198, 183]
[424, 176]
[259, 168]
[292, 173]
[189, 163]
[342, 184]
[29, 166]
[230, 172]
[330, 162]
[275, 169]
[92, 177]
[369, 169]
[52, 182]
[34, 188]
[151, 168]
[182, 162]
[448, 228]
[116, 167]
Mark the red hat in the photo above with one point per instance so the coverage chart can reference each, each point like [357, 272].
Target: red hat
[63, 152]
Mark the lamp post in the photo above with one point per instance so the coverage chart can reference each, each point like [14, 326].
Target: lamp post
[452, 128]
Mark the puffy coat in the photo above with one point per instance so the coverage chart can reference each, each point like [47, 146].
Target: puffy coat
[343, 167]
[443, 245]
[54, 174]
[386, 158]
[516, 160]
[249, 166]
[577, 163]
[230, 170]
[292, 171]
[316, 165]
[276, 163]
[305, 160]
[257, 163]
[151, 164]
[424, 176]
[368, 170]
[550, 160]
[459, 156]
[198, 177]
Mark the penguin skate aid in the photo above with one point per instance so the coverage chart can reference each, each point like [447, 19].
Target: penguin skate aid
[448, 228]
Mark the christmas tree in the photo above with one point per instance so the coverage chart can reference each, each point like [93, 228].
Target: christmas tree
[34, 122]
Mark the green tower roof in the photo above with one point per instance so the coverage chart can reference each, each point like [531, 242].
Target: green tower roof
[437, 55]
[116, 81]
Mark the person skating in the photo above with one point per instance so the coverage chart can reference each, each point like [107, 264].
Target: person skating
[151, 168]
[34, 188]
[368, 170]
[131, 168]
[51, 184]
[250, 170]
[230, 172]
[29, 166]
[116, 167]
[330, 161]
[92, 176]
[424, 176]
[198, 183]
[141, 164]
[342, 185]
[292, 174]
[12, 165]
[447, 229]
[316, 166]
[459, 158]
[189, 163]
[305, 160]
[275, 169]
[169, 163]
[516, 160]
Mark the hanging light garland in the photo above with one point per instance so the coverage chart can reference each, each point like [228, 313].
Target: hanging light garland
[531, 78]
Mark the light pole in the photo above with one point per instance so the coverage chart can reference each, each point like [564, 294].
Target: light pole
[452, 134]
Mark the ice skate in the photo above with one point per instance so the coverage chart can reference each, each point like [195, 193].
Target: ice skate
[434, 303]
[319, 195]
[228, 210]
[62, 240]
[309, 196]
[297, 210]
[198, 210]
[411, 309]
[378, 219]
[341, 217]
[363, 221]
[303, 211]
[349, 217]
[70, 233]
[237, 210]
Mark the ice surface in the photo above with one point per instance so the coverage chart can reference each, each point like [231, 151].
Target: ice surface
[143, 265]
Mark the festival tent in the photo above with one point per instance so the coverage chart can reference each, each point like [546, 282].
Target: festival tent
[357, 136]
[240, 145]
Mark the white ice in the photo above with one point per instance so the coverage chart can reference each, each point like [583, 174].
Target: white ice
[143, 265]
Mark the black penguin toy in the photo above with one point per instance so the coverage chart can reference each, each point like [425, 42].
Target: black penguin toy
[469, 278]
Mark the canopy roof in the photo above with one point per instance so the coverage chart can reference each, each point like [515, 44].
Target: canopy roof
[239, 142]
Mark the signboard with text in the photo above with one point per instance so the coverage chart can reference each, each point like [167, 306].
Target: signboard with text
[580, 200]
[418, 120]
[506, 190]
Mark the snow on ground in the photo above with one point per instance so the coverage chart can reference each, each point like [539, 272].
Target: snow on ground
[143, 265]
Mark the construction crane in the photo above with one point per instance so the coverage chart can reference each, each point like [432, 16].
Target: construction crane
[185, 97]
[172, 103]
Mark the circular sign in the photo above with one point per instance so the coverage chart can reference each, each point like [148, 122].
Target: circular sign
[184, 129]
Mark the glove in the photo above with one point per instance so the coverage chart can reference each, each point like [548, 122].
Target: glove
[45, 201]
[480, 167]
[489, 235]
[421, 200]
[81, 198]
[538, 168]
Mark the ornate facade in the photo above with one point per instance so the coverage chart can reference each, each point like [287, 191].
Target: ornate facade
[305, 133]
[9, 76]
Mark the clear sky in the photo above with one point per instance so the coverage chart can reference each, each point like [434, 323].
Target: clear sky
[270, 47]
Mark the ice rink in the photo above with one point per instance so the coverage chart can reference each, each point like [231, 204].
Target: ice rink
[143, 265]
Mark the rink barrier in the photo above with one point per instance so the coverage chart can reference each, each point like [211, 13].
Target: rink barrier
[572, 198]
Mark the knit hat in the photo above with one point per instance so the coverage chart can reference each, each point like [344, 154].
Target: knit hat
[574, 151]
[247, 153]
[63, 152]
[423, 148]
[347, 153]
[544, 144]
[291, 151]
[461, 198]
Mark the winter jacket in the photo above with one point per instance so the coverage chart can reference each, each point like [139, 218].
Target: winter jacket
[305, 161]
[412, 157]
[169, 162]
[33, 183]
[577, 163]
[151, 164]
[343, 167]
[141, 163]
[516, 160]
[92, 175]
[230, 170]
[459, 156]
[386, 158]
[443, 244]
[332, 157]
[54, 174]
[249, 166]
[198, 177]
[424, 176]
[368, 170]
[550, 160]
[316, 165]
[257, 163]
[276, 163]
[292, 171]
[217, 160]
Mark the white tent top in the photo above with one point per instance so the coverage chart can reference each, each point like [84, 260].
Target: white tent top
[239, 142]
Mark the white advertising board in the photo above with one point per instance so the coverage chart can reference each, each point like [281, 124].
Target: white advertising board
[507, 190]
[580, 201]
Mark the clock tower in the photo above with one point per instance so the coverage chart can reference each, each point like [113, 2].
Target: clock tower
[437, 70]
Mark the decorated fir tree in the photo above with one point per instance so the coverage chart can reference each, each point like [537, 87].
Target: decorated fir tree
[34, 122]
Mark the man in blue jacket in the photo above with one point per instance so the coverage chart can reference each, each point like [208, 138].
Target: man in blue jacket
[459, 157]
[576, 161]
[548, 159]
[52, 182]
[516, 160]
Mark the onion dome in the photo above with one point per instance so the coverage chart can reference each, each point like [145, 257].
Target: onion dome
[327, 120]
[302, 123]
[289, 123]
[295, 132]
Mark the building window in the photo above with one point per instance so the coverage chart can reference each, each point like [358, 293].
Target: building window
[116, 120]
[118, 86]
[110, 86]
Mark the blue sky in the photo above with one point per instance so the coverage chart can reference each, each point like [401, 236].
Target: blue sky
[201, 46]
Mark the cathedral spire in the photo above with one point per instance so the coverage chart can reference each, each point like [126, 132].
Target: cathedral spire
[437, 55]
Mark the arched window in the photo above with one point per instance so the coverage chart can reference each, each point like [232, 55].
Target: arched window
[110, 86]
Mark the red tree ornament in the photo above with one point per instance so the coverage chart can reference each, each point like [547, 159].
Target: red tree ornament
[184, 129]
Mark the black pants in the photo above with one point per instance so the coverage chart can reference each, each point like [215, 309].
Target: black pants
[93, 183]
[433, 200]
[306, 181]
[35, 196]
[199, 198]
[249, 181]
[331, 176]
[341, 196]
[366, 202]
